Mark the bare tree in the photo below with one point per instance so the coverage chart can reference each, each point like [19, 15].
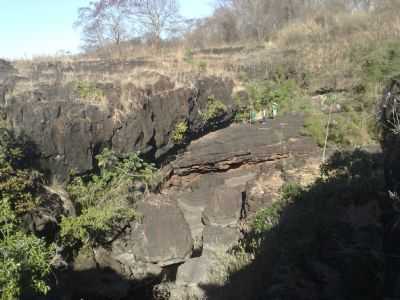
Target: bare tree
[103, 23]
[110, 22]
[256, 19]
[158, 18]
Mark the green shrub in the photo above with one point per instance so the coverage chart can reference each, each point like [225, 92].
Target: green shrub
[88, 91]
[24, 258]
[376, 63]
[19, 183]
[94, 224]
[346, 129]
[202, 65]
[284, 92]
[179, 133]
[214, 109]
[105, 201]
[315, 126]
[381, 63]
[24, 262]
[242, 113]
[188, 56]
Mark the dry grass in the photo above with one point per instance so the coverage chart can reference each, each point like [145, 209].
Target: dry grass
[315, 50]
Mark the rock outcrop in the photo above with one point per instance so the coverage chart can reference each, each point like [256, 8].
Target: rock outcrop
[211, 186]
[70, 127]
[216, 182]
[179, 245]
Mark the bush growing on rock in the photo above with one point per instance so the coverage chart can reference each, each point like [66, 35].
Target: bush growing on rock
[24, 258]
[18, 183]
[284, 92]
[179, 132]
[214, 109]
[88, 91]
[105, 201]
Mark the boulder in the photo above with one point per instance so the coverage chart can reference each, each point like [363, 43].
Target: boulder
[219, 239]
[138, 256]
[223, 208]
[192, 205]
[262, 191]
[171, 291]
[195, 271]
[163, 237]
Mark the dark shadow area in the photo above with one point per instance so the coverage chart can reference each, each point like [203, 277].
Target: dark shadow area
[98, 284]
[338, 239]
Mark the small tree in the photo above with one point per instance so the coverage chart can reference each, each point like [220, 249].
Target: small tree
[157, 18]
[103, 23]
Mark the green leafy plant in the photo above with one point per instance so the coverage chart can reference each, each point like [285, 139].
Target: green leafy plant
[88, 91]
[105, 201]
[242, 113]
[202, 66]
[24, 261]
[284, 92]
[188, 56]
[24, 258]
[179, 132]
[314, 126]
[350, 128]
[380, 63]
[18, 183]
[214, 109]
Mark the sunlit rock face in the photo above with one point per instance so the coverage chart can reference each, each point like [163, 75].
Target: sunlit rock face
[71, 114]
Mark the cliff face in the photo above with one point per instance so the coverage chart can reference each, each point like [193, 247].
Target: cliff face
[70, 121]
[71, 111]
[336, 242]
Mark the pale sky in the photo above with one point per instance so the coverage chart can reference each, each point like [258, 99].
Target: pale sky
[44, 27]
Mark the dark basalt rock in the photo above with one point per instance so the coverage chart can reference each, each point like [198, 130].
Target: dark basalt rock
[244, 144]
[44, 219]
[70, 132]
[223, 207]
[162, 238]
